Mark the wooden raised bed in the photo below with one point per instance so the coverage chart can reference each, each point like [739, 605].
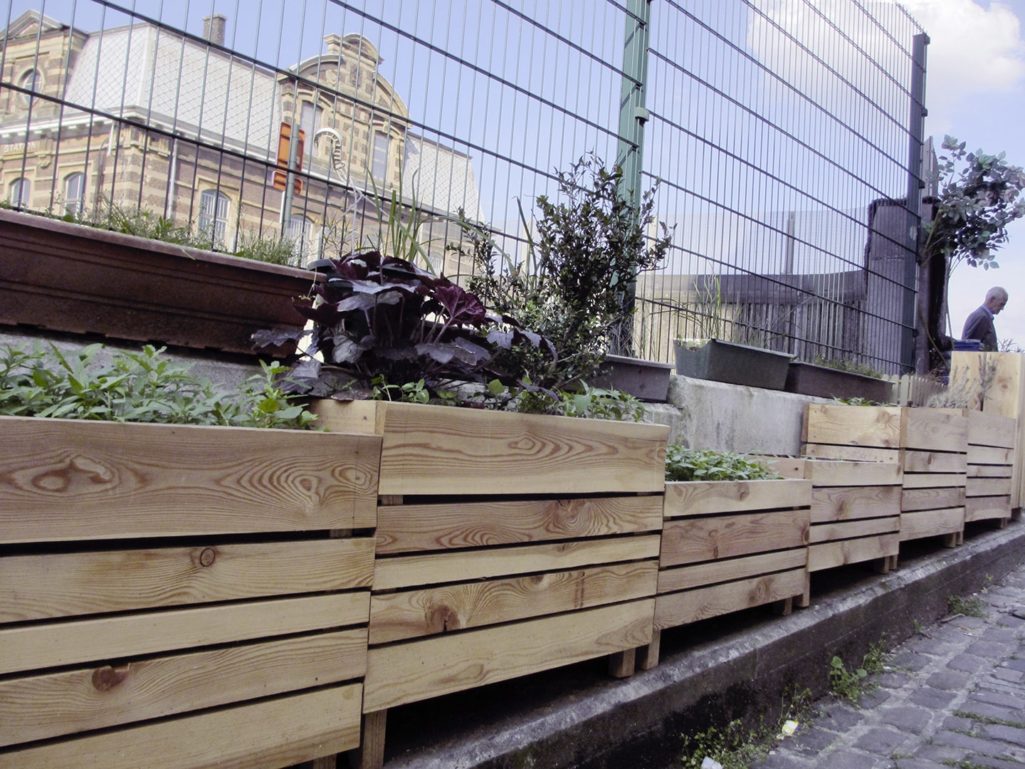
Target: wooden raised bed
[728, 546]
[931, 446]
[507, 544]
[855, 511]
[181, 596]
[991, 441]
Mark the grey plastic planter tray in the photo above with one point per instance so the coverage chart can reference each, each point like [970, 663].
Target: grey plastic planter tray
[734, 363]
[809, 379]
[644, 379]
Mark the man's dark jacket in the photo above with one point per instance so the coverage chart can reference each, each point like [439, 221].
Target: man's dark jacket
[980, 326]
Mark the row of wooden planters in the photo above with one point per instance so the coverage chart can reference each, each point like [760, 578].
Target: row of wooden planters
[192, 597]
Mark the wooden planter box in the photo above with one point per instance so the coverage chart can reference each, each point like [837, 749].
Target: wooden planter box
[507, 544]
[931, 446]
[855, 511]
[143, 624]
[991, 441]
[72, 278]
[728, 546]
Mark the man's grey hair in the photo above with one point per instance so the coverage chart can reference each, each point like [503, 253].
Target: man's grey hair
[997, 293]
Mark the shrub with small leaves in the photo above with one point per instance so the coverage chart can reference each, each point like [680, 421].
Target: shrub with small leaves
[683, 464]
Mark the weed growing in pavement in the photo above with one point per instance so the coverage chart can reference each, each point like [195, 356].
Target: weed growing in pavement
[978, 717]
[964, 763]
[735, 746]
[969, 607]
[851, 684]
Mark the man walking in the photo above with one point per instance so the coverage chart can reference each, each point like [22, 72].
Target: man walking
[980, 323]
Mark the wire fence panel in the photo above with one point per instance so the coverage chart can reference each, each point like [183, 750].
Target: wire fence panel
[290, 130]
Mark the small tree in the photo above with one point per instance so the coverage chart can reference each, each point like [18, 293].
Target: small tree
[979, 195]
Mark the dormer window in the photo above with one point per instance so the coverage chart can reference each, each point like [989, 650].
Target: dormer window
[379, 161]
[29, 81]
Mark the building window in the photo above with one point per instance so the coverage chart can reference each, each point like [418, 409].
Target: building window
[213, 216]
[30, 81]
[74, 193]
[379, 162]
[305, 241]
[20, 191]
[310, 120]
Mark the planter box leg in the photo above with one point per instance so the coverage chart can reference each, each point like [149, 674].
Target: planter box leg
[786, 606]
[370, 753]
[894, 562]
[804, 600]
[623, 664]
[324, 762]
[1004, 522]
[882, 565]
[648, 655]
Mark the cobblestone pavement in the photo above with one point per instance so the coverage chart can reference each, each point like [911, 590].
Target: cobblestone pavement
[951, 696]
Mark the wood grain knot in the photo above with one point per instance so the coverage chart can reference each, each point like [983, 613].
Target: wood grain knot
[443, 618]
[207, 557]
[106, 678]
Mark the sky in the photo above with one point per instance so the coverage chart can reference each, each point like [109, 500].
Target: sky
[976, 92]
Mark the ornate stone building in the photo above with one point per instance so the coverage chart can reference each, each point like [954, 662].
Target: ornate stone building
[146, 118]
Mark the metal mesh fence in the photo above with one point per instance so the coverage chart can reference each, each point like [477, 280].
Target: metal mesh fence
[777, 134]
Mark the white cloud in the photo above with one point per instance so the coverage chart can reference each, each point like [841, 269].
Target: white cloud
[973, 49]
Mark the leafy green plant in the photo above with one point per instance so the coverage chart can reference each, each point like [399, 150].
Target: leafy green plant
[970, 606]
[587, 402]
[142, 386]
[269, 250]
[574, 283]
[851, 684]
[856, 400]
[684, 464]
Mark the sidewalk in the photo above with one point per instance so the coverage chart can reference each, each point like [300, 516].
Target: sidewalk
[953, 695]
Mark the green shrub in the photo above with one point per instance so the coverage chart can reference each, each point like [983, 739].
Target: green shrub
[683, 464]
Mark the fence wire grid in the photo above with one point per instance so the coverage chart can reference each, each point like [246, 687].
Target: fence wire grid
[783, 138]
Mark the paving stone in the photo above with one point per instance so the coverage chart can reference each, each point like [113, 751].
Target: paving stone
[996, 698]
[999, 634]
[908, 660]
[1015, 663]
[812, 741]
[1011, 676]
[992, 762]
[874, 698]
[929, 697]
[781, 760]
[933, 646]
[950, 680]
[1003, 733]
[968, 663]
[881, 741]
[987, 747]
[984, 710]
[997, 650]
[853, 759]
[917, 763]
[958, 724]
[907, 718]
[839, 716]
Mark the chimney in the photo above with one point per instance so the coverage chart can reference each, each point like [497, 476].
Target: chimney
[213, 28]
[333, 45]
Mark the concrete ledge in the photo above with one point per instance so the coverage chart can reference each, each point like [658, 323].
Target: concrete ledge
[576, 718]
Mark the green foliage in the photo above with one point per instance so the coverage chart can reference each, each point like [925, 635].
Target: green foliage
[851, 367]
[587, 402]
[735, 746]
[856, 400]
[572, 286]
[979, 196]
[851, 684]
[141, 386]
[410, 392]
[683, 464]
[968, 606]
[269, 250]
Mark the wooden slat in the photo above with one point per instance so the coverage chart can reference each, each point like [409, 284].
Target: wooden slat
[70, 480]
[672, 609]
[931, 499]
[828, 532]
[788, 467]
[436, 568]
[988, 487]
[873, 426]
[850, 473]
[931, 523]
[412, 528]
[850, 453]
[265, 735]
[409, 672]
[990, 471]
[830, 555]
[685, 577]
[986, 429]
[65, 585]
[701, 497]
[934, 462]
[933, 480]
[44, 706]
[415, 613]
[985, 508]
[435, 450]
[45, 645]
[987, 455]
[931, 429]
[841, 503]
[727, 536]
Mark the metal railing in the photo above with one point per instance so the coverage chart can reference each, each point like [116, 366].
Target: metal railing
[778, 136]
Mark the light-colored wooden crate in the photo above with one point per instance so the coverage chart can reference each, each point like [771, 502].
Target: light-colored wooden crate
[1004, 397]
[447, 451]
[728, 546]
[855, 510]
[929, 444]
[991, 442]
[143, 621]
